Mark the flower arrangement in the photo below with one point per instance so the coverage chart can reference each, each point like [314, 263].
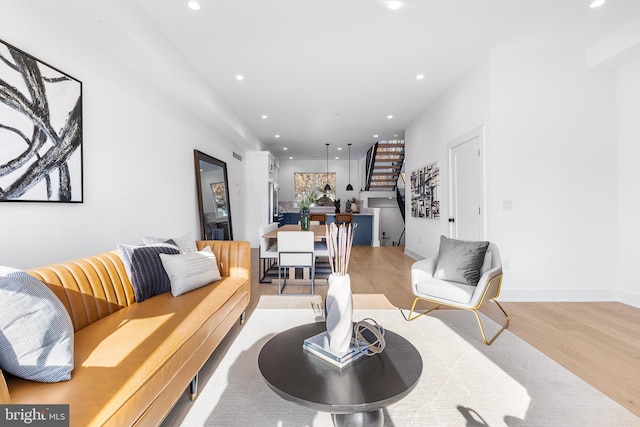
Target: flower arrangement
[306, 199]
[339, 242]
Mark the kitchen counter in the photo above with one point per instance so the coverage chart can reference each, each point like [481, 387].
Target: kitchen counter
[364, 220]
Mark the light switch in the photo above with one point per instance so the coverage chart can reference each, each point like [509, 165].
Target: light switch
[507, 205]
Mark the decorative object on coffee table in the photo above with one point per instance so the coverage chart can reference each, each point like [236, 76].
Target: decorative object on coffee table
[339, 301]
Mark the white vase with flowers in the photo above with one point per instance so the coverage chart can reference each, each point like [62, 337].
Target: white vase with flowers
[339, 302]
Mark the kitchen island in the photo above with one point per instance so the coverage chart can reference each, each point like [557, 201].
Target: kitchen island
[364, 220]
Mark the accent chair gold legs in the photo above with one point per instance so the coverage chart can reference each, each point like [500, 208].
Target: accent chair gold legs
[414, 316]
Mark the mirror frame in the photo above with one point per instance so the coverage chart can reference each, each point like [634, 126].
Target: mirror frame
[199, 156]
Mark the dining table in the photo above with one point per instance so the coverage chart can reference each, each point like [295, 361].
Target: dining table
[319, 234]
[319, 231]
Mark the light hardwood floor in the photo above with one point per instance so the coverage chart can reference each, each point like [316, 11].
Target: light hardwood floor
[599, 342]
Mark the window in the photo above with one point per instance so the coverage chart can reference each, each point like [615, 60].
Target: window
[310, 182]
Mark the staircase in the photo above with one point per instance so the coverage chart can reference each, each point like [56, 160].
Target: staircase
[384, 163]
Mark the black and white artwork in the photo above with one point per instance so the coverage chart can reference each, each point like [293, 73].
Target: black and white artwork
[425, 192]
[40, 131]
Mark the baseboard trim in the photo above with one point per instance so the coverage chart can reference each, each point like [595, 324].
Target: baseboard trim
[412, 254]
[629, 298]
[569, 295]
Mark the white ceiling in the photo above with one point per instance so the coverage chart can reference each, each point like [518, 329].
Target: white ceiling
[329, 71]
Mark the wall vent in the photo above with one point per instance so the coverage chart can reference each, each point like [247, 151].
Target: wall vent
[237, 156]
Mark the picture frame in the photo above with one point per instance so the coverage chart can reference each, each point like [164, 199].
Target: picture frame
[40, 131]
[425, 192]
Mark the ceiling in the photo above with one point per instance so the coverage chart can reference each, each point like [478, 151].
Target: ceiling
[329, 71]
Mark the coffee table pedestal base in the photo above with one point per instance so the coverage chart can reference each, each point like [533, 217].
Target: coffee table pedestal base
[359, 419]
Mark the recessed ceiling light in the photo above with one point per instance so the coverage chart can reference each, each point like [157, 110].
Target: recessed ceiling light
[337, 158]
[264, 116]
[394, 5]
[420, 77]
[285, 148]
[375, 136]
[290, 158]
[389, 116]
[339, 148]
[193, 5]
[277, 136]
[239, 77]
[597, 3]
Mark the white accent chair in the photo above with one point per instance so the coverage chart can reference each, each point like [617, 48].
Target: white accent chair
[268, 251]
[453, 294]
[295, 250]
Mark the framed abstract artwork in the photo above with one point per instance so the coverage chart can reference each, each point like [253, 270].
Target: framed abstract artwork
[40, 131]
[425, 192]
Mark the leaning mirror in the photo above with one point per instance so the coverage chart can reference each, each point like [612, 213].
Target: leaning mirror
[213, 197]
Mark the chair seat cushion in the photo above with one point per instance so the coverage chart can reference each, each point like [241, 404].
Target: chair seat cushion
[440, 290]
[271, 251]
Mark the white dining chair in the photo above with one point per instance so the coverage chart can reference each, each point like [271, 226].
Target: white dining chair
[268, 251]
[295, 250]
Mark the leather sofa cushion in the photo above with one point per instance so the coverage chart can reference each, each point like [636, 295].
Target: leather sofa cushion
[122, 360]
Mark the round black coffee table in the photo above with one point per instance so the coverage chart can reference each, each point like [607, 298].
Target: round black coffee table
[354, 395]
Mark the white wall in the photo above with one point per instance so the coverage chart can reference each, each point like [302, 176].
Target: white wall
[460, 110]
[550, 149]
[138, 147]
[553, 151]
[628, 176]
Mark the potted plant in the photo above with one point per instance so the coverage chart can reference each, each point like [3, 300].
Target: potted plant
[304, 203]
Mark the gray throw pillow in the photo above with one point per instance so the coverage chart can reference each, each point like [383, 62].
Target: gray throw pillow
[36, 333]
[145, 270]
[460, 261]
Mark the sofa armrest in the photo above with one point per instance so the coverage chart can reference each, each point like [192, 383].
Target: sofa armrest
[233, 257]
[4, 391]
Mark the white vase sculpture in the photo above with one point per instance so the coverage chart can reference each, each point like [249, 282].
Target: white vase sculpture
[339, 305]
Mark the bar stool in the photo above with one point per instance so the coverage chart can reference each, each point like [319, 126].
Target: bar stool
[322, 218]
[343, 218]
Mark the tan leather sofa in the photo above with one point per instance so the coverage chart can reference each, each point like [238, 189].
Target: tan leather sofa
[134, 361]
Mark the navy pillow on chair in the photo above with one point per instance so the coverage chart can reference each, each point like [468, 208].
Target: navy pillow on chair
[145, 269]
[460, 261]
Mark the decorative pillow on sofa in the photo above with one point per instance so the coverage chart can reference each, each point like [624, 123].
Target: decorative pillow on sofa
[186, 244]
[460, 261]
[36, 333]
[190, 271]
[145, 269]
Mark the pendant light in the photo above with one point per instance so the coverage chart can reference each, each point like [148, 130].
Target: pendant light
[327, 187]
[349, 186]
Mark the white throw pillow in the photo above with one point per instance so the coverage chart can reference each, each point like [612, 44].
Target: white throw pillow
[36, 333]
[186, 244]
[190, 271]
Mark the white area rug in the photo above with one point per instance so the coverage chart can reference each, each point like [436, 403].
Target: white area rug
[464, 382]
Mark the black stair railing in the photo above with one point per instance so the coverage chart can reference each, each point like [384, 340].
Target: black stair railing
[371, 160]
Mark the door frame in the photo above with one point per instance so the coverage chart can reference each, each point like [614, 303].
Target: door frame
[479, 133]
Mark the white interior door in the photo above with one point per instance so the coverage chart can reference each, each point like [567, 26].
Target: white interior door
[467, 184]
